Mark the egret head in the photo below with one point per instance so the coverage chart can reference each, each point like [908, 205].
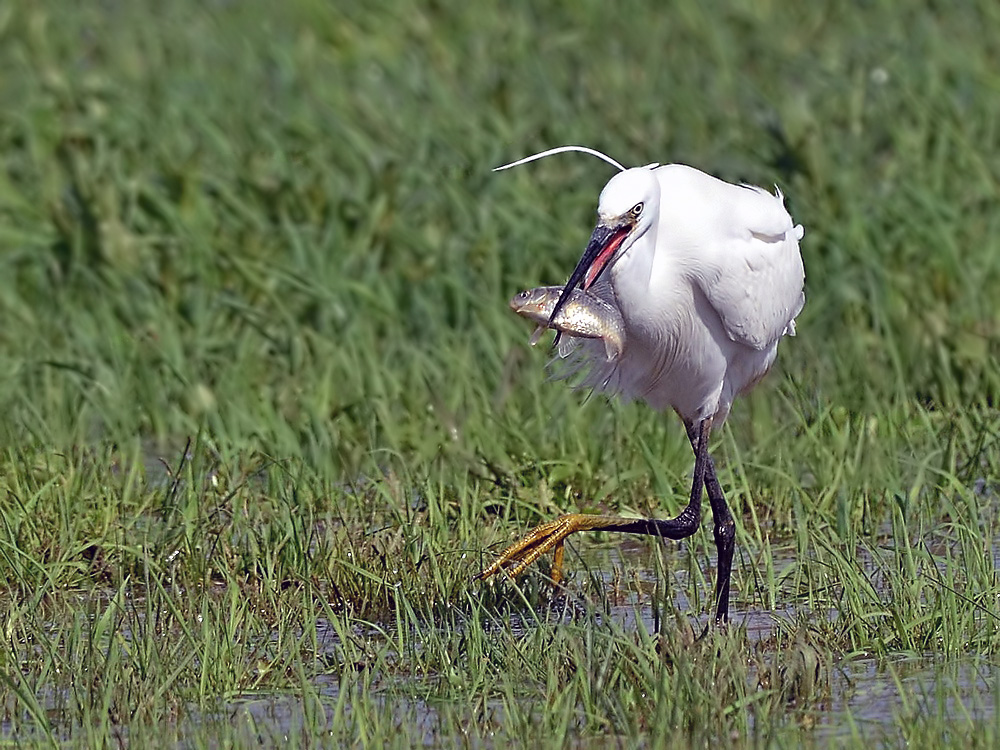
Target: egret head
[628, 207]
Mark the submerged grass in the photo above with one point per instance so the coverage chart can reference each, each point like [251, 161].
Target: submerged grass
[265, 410]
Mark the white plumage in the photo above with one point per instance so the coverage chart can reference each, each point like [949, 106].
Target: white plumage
[708, 278]
[708, 282]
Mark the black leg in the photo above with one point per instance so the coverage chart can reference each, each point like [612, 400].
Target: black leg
[688, 520]
[725, 528]
[551, 535]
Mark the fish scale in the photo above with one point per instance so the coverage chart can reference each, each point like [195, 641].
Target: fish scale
[584, 315]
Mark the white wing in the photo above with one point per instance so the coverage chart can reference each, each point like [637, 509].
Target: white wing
[741, 250]
[757, 290]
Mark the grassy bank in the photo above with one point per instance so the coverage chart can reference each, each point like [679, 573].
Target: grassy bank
[266, 411]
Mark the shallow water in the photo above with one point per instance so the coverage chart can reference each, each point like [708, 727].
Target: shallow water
[864, 696]
[620, 581]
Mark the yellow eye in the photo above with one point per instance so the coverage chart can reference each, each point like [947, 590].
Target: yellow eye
[636, 210]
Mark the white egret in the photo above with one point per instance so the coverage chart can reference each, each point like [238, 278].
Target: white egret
[708, 278]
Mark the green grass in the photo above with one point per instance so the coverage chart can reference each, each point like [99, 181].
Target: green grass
[266, 411]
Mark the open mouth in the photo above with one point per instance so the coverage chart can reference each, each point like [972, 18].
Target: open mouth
[603, 245]
[604, 255]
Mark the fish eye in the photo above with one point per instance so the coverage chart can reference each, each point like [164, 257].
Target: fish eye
[636, 210]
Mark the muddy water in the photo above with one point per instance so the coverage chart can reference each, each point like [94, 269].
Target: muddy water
[866, 696]
[863, 696]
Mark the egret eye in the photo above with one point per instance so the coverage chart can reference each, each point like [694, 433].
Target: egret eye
[636, 210]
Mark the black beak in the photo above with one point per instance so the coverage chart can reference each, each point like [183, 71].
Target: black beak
[603, 242]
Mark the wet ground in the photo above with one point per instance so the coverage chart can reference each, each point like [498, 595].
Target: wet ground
[860, 695]
[866, 697]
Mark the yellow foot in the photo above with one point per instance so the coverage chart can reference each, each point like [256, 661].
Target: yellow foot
[548, 536]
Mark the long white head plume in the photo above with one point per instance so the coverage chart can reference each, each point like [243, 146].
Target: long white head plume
[561, 150]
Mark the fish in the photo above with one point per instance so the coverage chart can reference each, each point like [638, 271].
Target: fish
[585, 315]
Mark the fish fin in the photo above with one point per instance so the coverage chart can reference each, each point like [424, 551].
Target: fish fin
[609, 351]
[566, 346]
[536, 335]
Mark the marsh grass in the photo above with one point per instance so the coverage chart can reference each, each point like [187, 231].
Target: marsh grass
[266, 412]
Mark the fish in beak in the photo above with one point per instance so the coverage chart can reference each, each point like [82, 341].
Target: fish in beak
[601, 249]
